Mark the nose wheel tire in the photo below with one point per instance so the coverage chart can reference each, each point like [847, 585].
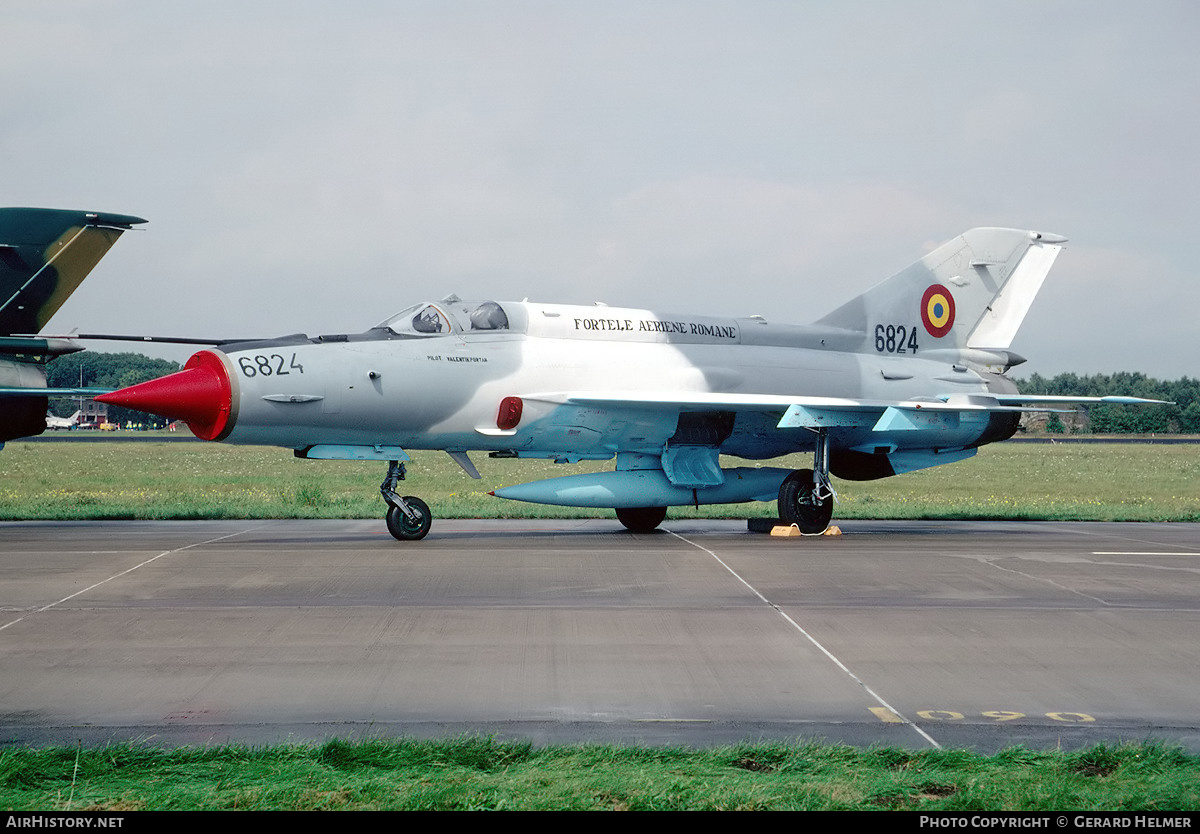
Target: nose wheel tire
[641, 519]
[409, 529]
[799, 504]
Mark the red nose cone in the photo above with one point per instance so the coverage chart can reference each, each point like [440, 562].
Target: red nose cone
[200, 395]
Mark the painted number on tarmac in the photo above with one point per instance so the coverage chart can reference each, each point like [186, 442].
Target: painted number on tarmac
[887, 716]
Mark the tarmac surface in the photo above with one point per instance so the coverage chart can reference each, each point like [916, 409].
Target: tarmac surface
[913, 634]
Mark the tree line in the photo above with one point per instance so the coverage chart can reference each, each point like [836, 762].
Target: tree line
[105, 370]
[1181, 416]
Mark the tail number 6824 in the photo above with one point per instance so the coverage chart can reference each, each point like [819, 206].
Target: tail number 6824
[895, 338]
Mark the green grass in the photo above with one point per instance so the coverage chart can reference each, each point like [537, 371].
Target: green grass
[192, 480]
[482, 773]
[158, 480]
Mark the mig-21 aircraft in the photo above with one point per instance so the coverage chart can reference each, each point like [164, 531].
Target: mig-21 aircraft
[906, 376]
[56, 423]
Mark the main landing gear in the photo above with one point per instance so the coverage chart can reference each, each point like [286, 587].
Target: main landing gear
[641, 519]
[408, 517]
[806, 496]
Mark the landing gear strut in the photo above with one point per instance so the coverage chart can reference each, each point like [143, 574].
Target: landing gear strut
[408, 517]
[806, 496]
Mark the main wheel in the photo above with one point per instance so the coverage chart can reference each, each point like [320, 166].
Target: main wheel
[641, 519]
[798, 503]
[405, 529]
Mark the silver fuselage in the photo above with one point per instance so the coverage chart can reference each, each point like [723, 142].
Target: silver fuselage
[442, 391]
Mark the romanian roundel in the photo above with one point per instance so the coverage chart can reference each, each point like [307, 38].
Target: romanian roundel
[937, 310]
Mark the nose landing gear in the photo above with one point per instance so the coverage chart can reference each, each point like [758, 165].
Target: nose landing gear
[408, 517]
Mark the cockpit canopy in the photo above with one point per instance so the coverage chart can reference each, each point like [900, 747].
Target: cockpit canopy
[449, 316]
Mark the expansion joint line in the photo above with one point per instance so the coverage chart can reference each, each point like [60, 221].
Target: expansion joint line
[874, 695]
[56, 603]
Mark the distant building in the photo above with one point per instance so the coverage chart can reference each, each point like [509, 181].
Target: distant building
[93, 415]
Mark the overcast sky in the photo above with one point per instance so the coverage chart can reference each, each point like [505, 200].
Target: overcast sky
[316, 166]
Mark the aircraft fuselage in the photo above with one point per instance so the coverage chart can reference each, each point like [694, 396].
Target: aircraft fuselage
[444, 391]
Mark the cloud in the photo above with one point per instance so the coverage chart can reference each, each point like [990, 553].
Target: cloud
[314, 167]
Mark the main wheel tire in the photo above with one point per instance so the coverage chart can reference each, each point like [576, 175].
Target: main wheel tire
[641, 519]
[405, 529]
[798, 503]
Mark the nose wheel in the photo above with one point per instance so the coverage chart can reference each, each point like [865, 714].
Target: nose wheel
[408, 517]
[411, 521]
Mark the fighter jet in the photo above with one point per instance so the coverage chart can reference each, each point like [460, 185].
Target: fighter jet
[906, 376]
[44, 255]
[56, 423]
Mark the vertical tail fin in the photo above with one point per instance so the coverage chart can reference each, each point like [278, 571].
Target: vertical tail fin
[44, 255]
[972, 292]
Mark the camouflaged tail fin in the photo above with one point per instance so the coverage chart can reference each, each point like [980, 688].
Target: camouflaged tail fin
[44, 255]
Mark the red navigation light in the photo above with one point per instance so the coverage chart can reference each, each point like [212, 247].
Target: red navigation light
[510, 413]
[200, 395]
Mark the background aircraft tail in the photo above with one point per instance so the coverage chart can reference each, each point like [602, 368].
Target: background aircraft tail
[972, 292]
[44, 255]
